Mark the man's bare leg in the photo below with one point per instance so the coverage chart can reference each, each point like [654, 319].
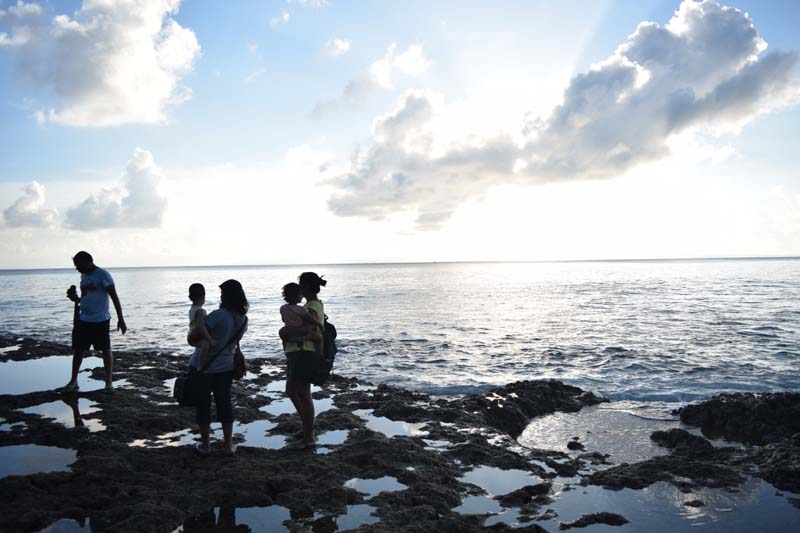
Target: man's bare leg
[77, 359]
[108, 366]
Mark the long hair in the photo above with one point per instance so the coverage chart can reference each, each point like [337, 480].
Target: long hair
[233, 298]
[311, 282]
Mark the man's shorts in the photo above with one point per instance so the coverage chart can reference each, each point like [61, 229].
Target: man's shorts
[88, 334]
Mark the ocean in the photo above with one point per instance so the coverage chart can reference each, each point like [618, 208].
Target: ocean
[641, 331]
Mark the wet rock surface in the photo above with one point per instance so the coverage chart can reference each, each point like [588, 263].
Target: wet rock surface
[746, 417]
[139, 472]
[609, 519]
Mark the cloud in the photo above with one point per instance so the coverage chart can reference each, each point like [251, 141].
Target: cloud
[336, 47]
[379, 75]
[283, 18]
[706, 69]
[18, 20]
[29, 210]
[110, 63]
[139, 203]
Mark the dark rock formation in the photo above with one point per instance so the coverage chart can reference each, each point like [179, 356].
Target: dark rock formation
[610, 519]
[681, 441]
[746, 417]
[525, 495]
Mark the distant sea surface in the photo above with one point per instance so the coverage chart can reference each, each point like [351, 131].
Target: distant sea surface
[640, 331]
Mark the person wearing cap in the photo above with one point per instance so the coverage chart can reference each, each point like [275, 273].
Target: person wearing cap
[226, 325]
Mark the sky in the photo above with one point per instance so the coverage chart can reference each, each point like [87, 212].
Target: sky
[168, 132]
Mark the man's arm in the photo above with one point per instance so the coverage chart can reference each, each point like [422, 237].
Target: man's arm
[112, 291]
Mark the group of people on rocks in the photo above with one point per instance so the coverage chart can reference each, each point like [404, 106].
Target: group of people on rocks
[215, 337]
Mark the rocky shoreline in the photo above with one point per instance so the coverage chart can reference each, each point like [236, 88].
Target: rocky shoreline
[134, 472]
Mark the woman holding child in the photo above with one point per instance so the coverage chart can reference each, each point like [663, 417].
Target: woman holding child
[302, 343]
[225, 326]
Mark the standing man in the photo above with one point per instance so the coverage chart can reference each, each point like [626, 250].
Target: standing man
[92, 326]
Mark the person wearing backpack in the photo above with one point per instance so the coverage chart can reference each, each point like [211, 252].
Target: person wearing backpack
[226, 325]
[301, 358]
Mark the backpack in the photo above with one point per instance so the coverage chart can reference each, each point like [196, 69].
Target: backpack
[329, 348]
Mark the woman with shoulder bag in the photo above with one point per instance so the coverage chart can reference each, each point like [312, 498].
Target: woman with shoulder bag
[302, 358]
[226, 325]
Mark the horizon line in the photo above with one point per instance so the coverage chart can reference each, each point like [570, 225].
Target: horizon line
[386, 263]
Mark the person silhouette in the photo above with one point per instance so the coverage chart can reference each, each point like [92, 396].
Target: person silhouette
[91, 328]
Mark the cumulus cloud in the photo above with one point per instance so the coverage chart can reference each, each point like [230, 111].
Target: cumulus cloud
[110, 63]
[379, 75]
[282, 18]
[29, 210]
[706, 68]
[139, 203]
[336, 47]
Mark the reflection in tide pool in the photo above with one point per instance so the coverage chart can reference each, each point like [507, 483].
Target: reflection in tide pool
[285, 406]
[69, 414]
[619, 433]
[662, 507]
[373, 487]
[497, 481]
[356, 516]
[226, 518]
[48, 373]
[333, 438]
[477, 505]
[390, 428]
[65, 525]
[183, 437]
[255, 434]
[26, 459]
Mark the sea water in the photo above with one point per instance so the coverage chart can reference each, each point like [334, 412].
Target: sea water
[641, 331]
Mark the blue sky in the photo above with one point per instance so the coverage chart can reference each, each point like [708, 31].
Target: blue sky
[461, 83]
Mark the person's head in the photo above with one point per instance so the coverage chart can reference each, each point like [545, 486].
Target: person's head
[197, 293]
[232, 297]
[83, 262]
[292, 293]
[310, 284]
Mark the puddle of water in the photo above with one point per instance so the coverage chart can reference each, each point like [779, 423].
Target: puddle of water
[373, 487]
[477, 505]
[622, 435]
[26, 459]
[48, 373]
[333, 438]
[14, 426]
[437, 445]
[497, 481]
[276, 386]
[183, 437]
[285, 406]
[255, 434]
[661, 507]
[257, 519]
[65, 525]
[279, 407]
[69, 415]
[509, 517]
[390, 428]
[356, 516]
